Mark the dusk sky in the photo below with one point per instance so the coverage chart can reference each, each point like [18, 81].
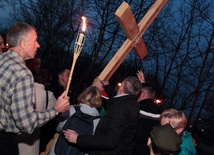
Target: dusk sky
[4, 14]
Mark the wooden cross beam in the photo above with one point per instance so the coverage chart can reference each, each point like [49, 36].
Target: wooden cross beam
[134, 34]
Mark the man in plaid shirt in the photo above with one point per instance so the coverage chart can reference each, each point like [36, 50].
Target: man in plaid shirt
[17, 99]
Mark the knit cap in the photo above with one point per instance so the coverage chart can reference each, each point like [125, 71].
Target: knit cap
[165, 138]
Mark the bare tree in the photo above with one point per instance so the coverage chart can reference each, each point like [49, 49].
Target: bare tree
[179, 41]
[183, 55]
[57, 23]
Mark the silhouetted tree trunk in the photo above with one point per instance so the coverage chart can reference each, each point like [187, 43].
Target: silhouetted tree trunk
[179, 41]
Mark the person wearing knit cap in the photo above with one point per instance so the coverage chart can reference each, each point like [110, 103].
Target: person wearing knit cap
[178, 121]
[163, 140]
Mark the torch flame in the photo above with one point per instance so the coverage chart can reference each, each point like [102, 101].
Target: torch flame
[83, 23]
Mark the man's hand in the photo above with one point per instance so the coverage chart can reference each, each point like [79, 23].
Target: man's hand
[70, 135]
[105, 82]
[62, 103]
[140, 76]
[97, 83]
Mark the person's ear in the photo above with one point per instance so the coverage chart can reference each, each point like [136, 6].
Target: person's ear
[120, 90]
[149, 144]
[149, 141]
[23, 43]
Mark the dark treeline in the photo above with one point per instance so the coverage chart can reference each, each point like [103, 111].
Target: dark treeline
[180, 60]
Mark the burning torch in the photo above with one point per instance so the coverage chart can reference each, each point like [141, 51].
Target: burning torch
[77, 49]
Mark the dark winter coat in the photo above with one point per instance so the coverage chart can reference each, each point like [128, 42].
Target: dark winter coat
[149, 117]
[115, 132]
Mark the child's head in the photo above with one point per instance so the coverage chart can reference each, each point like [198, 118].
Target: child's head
[90, 96]
[176, 118]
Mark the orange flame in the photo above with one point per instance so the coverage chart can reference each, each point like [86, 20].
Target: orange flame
[83, 23]
[158, 101]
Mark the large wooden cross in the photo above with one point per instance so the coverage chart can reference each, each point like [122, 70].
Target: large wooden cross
[134, 34]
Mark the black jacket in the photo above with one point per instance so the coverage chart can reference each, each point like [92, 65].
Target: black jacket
[115, 132]
[148, 119]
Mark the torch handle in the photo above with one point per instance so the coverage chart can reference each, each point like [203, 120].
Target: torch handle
[77, 49]
[70, 75]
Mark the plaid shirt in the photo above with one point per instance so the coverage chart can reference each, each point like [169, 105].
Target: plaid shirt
[17, 96]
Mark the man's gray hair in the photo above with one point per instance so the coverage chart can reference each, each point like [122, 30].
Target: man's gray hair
[132, 85]
[18, 32]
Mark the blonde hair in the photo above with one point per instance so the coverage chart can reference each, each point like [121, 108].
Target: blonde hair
[90, 96]
[168, 113]
[176, 118]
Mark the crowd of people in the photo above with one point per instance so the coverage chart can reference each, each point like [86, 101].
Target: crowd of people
[105, 120]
